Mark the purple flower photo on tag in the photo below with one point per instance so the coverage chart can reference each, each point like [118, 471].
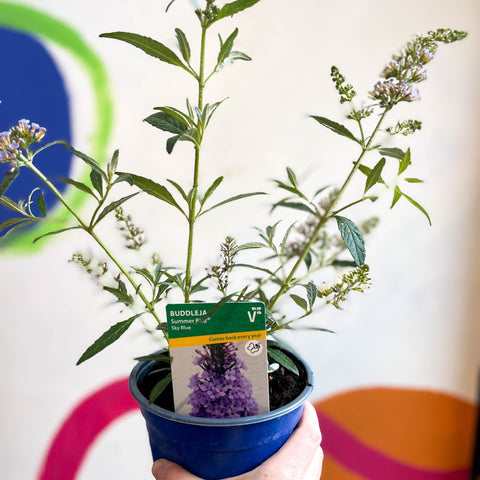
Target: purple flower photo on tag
[221, 390]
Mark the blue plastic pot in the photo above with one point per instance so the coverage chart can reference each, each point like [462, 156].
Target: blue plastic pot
[217, 448]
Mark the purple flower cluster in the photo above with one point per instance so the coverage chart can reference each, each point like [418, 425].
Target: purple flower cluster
[408, 67]
[18, 138]
[221, 390]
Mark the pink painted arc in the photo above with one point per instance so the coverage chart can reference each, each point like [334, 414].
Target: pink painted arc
[371, 464]
[79, 431]
[96, 412]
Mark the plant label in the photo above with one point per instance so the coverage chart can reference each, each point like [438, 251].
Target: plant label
[219, 361]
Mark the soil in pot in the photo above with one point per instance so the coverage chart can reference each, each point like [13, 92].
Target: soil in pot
[284, 386]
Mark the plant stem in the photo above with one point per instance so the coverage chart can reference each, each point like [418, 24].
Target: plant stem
[325, 217]
[89, 230]
[192, 214]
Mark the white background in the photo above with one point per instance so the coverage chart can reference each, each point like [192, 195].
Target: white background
[417, 327]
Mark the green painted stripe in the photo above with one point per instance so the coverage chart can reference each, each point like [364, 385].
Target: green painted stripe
[37, 23]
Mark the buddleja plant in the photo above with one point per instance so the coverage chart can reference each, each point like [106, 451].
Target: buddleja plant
[294, 253]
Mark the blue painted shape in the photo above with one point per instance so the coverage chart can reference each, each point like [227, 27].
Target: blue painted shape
[31, 87]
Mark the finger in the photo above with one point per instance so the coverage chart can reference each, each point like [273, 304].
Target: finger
[301, 454]
[165, 470]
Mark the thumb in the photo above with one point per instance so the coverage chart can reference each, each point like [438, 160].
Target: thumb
[165, 470]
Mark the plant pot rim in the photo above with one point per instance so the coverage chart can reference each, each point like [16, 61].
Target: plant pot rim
[143, 367]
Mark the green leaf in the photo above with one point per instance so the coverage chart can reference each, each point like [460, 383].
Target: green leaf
[353, 239]
[41, 204]
[113, 206]
[121, 293]
[81, 186]
[249, 246]
[404, 162]
[112, 165]
[56, 232]
[154, 357]
[233, 8]
[301, 302]
[159, 388]
[7, 202]
[178, 114]
[226, 48]
[14, 223]
[211, 189]
[392, 152]
[336, 127]
[232, 199]
[150, 187]
[413, 180]
[8, 179]
[97, 181]
[311, 294]
[171, 142]
[375, 175]
[396, 196]
[107, 338]
[295, 206]
[183, 45]
[167, 122]
[179, 188]
[417, 205]
[88, 160]
[149, 46]
[283, 359]
[292, 177]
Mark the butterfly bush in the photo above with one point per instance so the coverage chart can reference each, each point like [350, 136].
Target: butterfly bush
[293, 259]
[221, 390]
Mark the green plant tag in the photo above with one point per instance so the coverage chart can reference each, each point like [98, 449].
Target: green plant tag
[219, 359]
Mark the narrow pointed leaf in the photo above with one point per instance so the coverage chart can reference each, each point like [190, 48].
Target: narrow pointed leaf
[107, 338]
[375, 175]
[97, 181]
[233, 8]
[81, 186]
[149, 46]
[159, 388]
[233, 199]
[113, 206]
[405, 162]
[56, 232]
[311, 294]
[8, 179]
[7, 202]
[85, 158]
[226, 48]
[353, 239]
[183, 45]
[150, 187]
[301, 302]
[413, 180]
[178, 114]
[417, 205]
[295, 206]
[18, 222]
[336, 127]
[211, 189]
[41, 204]
[392, 152]
[167, 122]
[112, 165]
[283, 360]
[396, 196]
[179, 188]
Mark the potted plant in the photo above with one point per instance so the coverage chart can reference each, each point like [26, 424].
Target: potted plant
[285, 259]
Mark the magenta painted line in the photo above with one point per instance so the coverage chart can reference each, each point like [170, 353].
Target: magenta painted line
[369, 463]
[77, 434]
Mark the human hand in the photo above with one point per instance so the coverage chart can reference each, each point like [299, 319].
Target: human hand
[300, 458]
